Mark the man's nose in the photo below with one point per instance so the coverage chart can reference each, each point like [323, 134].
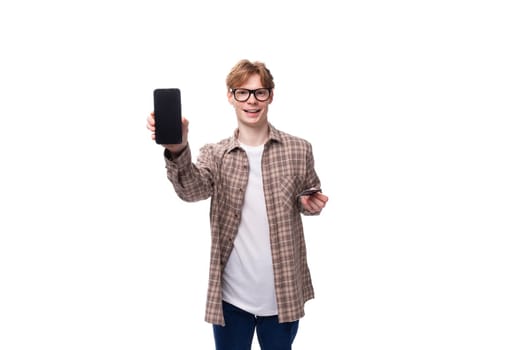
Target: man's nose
[251, 98]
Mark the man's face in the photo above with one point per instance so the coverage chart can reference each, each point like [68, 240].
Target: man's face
[251, 112]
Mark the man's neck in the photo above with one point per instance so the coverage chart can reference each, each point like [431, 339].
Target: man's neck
[253, 136]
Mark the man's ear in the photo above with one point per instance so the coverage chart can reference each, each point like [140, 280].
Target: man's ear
[271, 97]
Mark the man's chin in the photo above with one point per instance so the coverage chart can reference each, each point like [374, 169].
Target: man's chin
[258, 121]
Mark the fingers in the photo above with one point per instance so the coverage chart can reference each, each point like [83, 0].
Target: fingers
[175, 148]
[150, 122]
[320, 197]
[314, 203]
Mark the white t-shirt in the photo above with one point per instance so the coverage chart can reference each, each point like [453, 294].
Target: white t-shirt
[248, 280]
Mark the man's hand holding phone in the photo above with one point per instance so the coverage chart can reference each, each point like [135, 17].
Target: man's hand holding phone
[169, 128]
[173, 148]
[313, 200]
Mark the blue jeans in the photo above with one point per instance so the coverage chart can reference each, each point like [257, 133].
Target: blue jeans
[240, 328]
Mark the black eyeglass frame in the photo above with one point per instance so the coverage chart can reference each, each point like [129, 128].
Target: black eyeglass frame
[250, 92]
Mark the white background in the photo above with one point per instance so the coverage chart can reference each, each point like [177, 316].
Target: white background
[415, 111]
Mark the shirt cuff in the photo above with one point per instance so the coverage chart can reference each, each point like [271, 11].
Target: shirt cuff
[183, 157]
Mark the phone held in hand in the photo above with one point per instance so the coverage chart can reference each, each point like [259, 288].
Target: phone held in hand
[167, 109]
[309, 192]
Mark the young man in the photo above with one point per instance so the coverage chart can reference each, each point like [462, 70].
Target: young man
[259, 277]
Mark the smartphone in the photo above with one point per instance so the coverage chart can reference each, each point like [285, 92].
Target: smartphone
[309, 192]
[167, 109]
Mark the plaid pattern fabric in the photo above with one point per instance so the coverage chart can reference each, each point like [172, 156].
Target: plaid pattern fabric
[221, 173]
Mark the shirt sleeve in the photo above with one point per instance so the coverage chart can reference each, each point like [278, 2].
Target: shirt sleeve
[311, 178]
[192, 182]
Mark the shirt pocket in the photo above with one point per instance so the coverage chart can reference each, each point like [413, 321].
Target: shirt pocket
[289, 186]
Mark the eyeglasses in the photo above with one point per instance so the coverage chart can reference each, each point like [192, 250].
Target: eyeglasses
[242, 95]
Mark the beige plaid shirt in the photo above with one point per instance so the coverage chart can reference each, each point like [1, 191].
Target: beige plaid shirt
[221, 172]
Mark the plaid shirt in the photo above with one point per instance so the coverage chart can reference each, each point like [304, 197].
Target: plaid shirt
[221, 172]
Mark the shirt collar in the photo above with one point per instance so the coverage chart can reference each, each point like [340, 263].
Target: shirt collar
[234, 142]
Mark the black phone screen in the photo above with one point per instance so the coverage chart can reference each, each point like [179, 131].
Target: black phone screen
[167, 109]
